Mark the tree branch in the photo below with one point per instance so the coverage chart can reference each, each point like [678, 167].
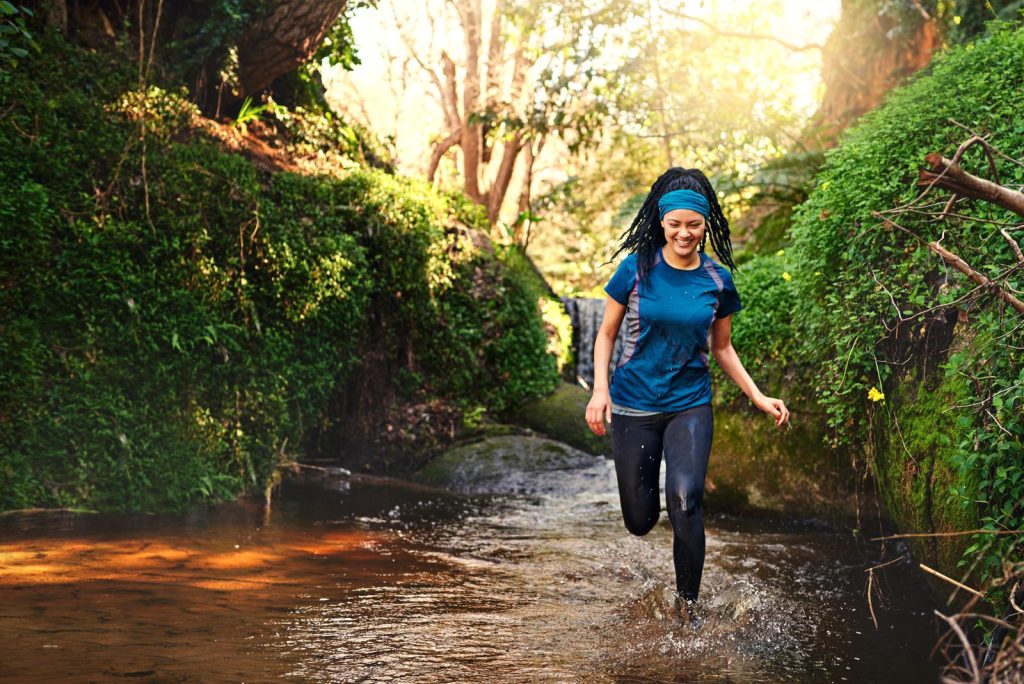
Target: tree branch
[959, 264]
[1013, 245]
[499, 188]
[449, 94]
[947, 174]
[738, 34]
[470, 16]
[439, 151]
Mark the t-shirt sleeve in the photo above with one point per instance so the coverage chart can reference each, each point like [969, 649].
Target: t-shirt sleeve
[619, 287]
[729, 299]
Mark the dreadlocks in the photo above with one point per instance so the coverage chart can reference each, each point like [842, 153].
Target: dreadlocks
[645, 236]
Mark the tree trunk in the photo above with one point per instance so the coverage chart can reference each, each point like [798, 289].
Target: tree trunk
[283, 38]
[469, 13]
[861, 63]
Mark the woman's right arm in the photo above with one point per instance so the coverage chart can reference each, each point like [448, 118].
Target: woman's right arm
[600, 407]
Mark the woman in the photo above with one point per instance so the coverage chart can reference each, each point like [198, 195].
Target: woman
[672, 296]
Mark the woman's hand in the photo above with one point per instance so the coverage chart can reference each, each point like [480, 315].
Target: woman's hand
[774, 408]
[598, 411]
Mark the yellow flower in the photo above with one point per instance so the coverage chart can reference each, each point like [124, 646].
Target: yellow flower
[786, 276]
[817, 273]
[875, 395]
[780, 252]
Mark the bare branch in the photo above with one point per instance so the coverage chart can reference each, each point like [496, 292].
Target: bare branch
[978, 140]
[738, 34]
[966, 644]
[976, 276]
[959, 264]
[1013, 245]
[439, 151]
[496, 194]
[997, 152]
[952, 581]
[946, 534]
[449, 94]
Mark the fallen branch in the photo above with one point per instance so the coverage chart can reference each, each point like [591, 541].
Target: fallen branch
[947, 174]
[976, 276]
[959, 264]
[1013, 245]
[951, 580]
[871, 578]
[944, 534]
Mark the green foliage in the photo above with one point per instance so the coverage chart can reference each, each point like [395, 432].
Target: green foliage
[339, 45]
[206, 35]
[763, 333]
[170, 331]
[490, 347]
[314, 133]
[870, 278]
[15, 36]
[967, 19]
[249, 113]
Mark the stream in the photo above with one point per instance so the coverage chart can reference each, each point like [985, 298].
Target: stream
[523, 576]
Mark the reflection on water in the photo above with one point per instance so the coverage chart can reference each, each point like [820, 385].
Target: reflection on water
[382, 583]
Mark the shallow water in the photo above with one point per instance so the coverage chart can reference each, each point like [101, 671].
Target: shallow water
[385, 583]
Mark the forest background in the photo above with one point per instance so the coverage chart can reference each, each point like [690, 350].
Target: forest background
[237, 235]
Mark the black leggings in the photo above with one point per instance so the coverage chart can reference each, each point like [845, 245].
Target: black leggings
[685, 438]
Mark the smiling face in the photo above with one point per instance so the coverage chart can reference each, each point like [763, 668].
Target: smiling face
[684, 231]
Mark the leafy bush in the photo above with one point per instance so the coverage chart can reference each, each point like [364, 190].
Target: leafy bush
[174, 323]
[762, 333]
[877, 309]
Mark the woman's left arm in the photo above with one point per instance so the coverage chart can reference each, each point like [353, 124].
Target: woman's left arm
[729, 360]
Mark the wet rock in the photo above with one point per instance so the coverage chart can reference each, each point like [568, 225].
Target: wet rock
[560, 415]
[514, 464]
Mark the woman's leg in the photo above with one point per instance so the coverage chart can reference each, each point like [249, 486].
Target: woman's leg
[687, 448]
[636, 444]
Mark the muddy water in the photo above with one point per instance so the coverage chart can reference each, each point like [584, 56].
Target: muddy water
[385, 583]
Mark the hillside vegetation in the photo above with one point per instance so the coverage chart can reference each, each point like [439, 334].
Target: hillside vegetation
[179, 317]
[918, 371]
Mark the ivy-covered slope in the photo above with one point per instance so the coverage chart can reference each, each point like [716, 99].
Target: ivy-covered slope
[175, 320]
[919, 373]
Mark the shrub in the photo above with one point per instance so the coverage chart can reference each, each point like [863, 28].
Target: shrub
[878, 315]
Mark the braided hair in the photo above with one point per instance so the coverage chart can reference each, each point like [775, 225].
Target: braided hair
[645, 235]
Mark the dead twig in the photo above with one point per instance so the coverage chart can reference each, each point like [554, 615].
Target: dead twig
[973, 660]
[997, 152]
[1013, 245]
[951, 580]
[871, 577]
[961, 533]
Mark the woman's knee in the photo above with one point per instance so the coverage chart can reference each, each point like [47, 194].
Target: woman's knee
[686, 498]
[639, 525]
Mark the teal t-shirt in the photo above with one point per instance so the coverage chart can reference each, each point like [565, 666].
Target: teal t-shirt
[664, 361]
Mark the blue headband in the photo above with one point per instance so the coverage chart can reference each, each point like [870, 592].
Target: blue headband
[683, 199]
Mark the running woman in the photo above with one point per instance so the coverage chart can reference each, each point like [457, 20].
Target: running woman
[677, 304]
